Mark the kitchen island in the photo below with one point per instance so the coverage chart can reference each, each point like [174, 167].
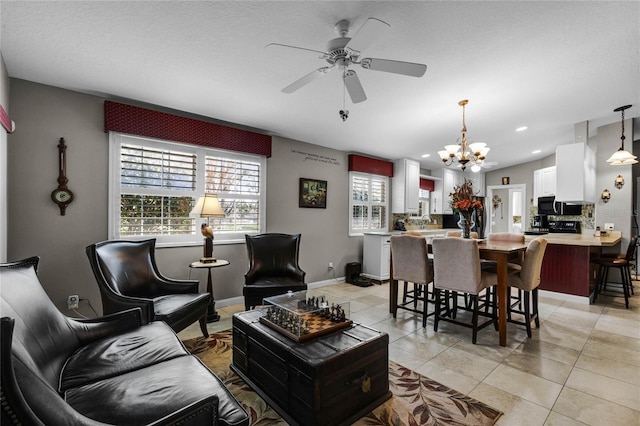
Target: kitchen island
[567, 267]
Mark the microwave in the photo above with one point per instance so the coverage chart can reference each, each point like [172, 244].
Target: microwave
[549, 206]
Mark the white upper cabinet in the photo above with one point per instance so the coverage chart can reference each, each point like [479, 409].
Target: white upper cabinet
[576, 173]
[449, 178]
[477, 180]
[405, 186]
[544, 183]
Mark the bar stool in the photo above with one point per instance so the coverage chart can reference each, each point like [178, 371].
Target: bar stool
[456, 267]
[526, 277]
[410, 264]
[620, 261]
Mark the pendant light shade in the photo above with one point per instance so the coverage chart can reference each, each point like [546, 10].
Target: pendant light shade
[622, 157]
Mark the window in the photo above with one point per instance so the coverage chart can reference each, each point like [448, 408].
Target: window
[154, 185]
[368, 203]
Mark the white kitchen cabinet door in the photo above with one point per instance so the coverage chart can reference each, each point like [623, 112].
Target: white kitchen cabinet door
[576, 173]
[544, 183]
[405, 186]
[477, 180]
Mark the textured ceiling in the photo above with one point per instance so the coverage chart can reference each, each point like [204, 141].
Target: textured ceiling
[546, 65]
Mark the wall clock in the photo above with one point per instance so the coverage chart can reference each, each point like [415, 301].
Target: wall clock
[62, 196]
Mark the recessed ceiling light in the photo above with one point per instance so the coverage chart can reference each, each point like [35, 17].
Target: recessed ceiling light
[537, 151]
[426, 155]
[521, 129]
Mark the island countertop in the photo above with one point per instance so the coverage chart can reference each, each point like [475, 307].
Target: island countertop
[589, 240]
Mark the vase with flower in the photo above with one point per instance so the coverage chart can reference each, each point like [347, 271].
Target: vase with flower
[465, 204]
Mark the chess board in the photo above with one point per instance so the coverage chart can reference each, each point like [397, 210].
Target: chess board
[318, 326]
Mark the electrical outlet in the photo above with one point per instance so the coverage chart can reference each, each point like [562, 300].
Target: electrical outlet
[72, 301]
[330, 265]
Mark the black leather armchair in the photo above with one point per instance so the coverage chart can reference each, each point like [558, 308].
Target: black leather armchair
[57, 370]
[273, 267]
[128, 277]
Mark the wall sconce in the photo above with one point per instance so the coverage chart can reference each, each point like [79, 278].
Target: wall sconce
[619, 182]
[496, 201]
[605, 196]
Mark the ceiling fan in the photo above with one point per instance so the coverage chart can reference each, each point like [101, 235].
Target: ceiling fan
[343, 52]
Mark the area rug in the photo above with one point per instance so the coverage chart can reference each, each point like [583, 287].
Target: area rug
[416, 400]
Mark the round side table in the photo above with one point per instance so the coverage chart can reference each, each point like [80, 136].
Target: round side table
[212, 314]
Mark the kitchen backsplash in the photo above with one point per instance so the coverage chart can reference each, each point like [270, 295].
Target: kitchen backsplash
[414, 222]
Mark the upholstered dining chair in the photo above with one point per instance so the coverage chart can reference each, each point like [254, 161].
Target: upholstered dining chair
[410, 264]
[620, 261]
[456, 268]
[128, 277]
[526, 277]
[491, 265]
[273, 267]
[473, 234]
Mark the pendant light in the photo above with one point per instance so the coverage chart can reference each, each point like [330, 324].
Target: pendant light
[622, 157]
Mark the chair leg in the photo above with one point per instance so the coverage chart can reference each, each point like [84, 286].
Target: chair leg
[436, 316]
[534, 297]
[425, 305]
[527, 313]
[203, 326]
[626, 283]
[473, 298]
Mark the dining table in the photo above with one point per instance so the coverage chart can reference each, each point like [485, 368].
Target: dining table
[498, 251]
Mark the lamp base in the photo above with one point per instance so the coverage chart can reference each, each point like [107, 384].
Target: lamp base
[208, 260]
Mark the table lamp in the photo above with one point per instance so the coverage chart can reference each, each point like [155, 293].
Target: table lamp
[207, 206]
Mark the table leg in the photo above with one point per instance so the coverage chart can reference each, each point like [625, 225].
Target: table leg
[503, 299]
[212, 315]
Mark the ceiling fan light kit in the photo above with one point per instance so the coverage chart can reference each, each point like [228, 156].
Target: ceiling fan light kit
[464, 152]
[343, 52]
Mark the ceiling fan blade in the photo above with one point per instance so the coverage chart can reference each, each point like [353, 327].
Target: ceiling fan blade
[396, 67]
[323, 54]
[352, 83]
[370, 31]
[306, 79]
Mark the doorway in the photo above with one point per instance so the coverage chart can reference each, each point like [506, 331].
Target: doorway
[507, 208]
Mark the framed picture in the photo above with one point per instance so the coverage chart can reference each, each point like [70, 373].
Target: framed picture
[313, 193]
[505, 181]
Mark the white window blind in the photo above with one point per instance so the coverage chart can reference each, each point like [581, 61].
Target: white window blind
[155, 184]
[237, 184]
[368, 205]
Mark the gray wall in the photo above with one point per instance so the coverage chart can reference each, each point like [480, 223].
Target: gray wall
[4, 101]
[44, 114]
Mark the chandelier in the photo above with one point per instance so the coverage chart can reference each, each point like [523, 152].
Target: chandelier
[464, 152]
[622, 157]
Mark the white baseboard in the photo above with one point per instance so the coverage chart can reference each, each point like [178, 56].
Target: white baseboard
[566, 297]
[239, 300]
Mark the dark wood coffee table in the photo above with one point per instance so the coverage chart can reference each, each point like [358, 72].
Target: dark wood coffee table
[332, 380]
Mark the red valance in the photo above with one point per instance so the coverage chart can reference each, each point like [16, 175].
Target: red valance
[427, 184]
[139, 121]
[359, 163]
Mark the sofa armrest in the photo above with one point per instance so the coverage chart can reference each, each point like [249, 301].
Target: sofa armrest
[16, 408]
[89, 330]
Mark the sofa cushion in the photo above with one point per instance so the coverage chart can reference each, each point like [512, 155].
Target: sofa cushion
[144, 396]
[114, 355]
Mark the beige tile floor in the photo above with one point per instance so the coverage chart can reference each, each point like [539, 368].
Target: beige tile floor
[581, 368]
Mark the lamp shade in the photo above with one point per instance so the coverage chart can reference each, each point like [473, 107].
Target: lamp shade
[207, 206]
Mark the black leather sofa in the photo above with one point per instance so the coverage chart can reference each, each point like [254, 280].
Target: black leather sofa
[58, 370]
